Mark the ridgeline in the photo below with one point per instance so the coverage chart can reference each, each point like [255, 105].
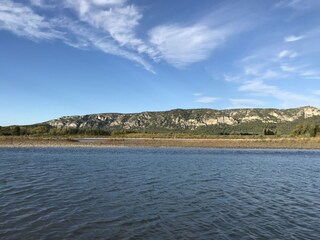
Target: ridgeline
[304, 121]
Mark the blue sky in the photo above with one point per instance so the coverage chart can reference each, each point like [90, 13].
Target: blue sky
[75, 57]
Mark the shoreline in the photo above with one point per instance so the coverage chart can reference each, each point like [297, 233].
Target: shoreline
[245, 143]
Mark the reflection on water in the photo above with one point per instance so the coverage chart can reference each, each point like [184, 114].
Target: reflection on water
[75, 193]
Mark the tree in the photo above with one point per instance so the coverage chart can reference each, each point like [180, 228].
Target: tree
[268, 131]
[306, 129]
[15, 131]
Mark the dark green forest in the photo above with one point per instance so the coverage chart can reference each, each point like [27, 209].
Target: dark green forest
[47, 130]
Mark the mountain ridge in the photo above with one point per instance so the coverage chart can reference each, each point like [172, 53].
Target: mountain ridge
[188, 119]
[186, 109]
[185, 122]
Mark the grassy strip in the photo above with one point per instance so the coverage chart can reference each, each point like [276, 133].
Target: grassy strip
[245, 142]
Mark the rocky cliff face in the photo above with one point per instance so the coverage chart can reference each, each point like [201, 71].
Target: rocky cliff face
[184, 119]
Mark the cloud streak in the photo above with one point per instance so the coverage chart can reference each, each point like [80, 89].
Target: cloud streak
[279, 64]
[106, 25]
[22, 21]
[245, 103]
[293, 38]
[288, 99]
[301, 5]
[112, 27]
[287, 54]
[200, 98]
[181, 46]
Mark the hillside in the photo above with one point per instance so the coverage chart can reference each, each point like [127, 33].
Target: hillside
[233, 121]
[255, 121]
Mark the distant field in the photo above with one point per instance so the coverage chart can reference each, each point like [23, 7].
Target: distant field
[218, 142]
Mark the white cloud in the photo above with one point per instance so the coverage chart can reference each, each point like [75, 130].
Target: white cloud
[288, 99]
[197, 94]
[230, 78]
[298, 4]
[44, 4]
[108, 2]
[304, 71]
[110, 26]
[310, 74]
[287, 68]
[22, 21]
[293, 38]
[258, 87]
[85, 6]
[241, 103]
[262, 72]
[206, 99]
[286, 65]
[83, 38]
[271, 64]
[287, 54]
[287, 3]
[106, 47]
[181, 46]
[114, 18]
[38, 3]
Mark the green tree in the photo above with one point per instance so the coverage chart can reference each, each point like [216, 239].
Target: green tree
[15, 130]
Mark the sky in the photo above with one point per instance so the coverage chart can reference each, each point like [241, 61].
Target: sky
[75, 57]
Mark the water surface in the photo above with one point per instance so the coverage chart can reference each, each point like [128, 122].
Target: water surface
[92, 193]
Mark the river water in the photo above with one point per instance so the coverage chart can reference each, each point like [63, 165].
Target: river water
[122, 193]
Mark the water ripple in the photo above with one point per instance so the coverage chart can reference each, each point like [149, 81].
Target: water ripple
[159, 194]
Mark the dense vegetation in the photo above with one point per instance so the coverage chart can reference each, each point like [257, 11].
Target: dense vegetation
[47, 130]
[306, 128]
[311, 130]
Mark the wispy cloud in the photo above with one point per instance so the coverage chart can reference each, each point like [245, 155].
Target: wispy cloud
[43, 3]
[111, 26]
[38, 3]
[116, 19]
[310, 74]
[242, 103]
[298, 4]
[287, 98]
[200, 98]
[87, 38]
[267, 68]
[22, 21]
[287, 68]
[301, 71]
[262, 67]
[293, 38]
[258, 87]
[231, 78]
[116, 22]
[181, 46]
[287, 54]
[206, 99]
[287, 3]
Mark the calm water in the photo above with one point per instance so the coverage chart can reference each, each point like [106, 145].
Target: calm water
[159, 194]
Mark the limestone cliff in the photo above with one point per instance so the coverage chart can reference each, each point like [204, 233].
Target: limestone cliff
[185, 119]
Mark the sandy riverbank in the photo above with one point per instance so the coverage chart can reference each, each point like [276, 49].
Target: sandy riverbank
[286, 143]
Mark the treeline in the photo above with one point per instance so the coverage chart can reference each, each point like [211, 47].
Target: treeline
[42, 130]
[303, 129]
[311, 130]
